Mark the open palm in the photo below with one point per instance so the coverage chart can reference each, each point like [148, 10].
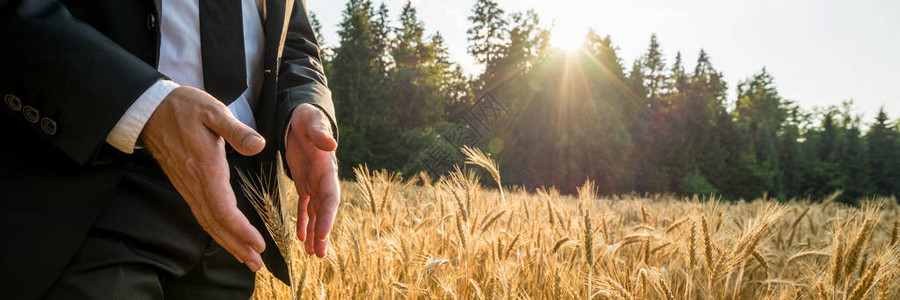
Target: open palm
[309, 150]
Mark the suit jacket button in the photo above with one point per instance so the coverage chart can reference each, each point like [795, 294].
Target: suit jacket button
[151, 21]
[13, 102]
[31, 114]
[49, 126]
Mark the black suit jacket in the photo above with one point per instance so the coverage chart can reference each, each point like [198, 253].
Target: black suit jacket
[68, 71]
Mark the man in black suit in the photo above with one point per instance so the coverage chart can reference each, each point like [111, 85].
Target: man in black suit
[86, 212]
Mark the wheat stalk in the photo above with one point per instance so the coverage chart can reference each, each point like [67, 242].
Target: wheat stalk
[837, 259]
[271, 205]
[853, 253]
[894, 232]
[884, 266]
[692, 249]
[474, 156]
[364, 184]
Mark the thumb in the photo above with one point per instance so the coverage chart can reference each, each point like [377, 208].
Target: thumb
[240, 136]
[320, 133]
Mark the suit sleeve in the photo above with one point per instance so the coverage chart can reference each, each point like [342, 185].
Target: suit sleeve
[301, 77]
[67, 74]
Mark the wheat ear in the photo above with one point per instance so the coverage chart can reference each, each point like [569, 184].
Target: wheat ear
[474, 156]
[271, 205]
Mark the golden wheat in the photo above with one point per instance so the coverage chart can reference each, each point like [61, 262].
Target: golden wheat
[451, 238]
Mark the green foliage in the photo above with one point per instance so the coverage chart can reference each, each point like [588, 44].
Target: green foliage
[569, 116]
[389, 82]
[696, 183]
[417, 140]
[884, 164]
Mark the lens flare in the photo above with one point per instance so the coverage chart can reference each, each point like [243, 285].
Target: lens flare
[568, 42]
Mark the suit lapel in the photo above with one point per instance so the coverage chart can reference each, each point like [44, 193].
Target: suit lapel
[289, 9]
[277, 19]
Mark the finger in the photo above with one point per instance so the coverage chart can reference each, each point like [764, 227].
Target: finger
[321, 247]
[240, 136]
[242, 253]
[214, 230]
[326, 210]
[302, 217]
[235, 243]
[215, 207]
[235, 223]
[328, 197]
[223, 211]
[319, 132]
[231, 243]
[310, 227]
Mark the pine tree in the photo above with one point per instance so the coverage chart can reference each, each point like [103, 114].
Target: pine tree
[409, 48]
[855, 161]
[607, 62]
[421, 74]
[794, 164]
[605, 53]
[884, 155]
[382, 39]
[367, 127]
[701, 95]
[610, 113]
[354, 73]
[712, 79]
[528, 42]
[825, 146]
[843, 158]
[325, 52]
[317, 29]
[654, 65]
[487, 36]
[636, 84]
[760, 115]
[456, 86]
[679, 80]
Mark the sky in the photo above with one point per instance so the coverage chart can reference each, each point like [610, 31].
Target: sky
[820, 52]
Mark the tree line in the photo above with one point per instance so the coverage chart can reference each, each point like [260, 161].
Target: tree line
[648, 126]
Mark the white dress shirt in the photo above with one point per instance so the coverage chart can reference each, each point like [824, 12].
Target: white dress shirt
[180, 60]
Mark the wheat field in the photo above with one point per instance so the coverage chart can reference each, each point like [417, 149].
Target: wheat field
[452, 238]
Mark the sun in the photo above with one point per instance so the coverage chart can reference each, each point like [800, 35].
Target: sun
[567, 42]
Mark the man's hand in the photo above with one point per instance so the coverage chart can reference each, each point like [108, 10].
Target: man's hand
[309, 150]
[185, 135]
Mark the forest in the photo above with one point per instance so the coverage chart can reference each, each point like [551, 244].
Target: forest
[553, 117]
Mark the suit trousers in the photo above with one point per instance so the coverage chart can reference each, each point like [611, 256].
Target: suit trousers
[146, 244]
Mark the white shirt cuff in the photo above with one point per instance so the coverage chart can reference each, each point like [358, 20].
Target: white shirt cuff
[125, 134]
